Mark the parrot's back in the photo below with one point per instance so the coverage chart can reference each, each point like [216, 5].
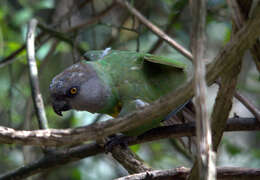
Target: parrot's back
[135, 77]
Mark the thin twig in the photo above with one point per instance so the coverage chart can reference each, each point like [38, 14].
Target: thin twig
[92, 20]
[155, 29]
[118, 27]
[248, 105]
[61, 36]
[33, 75]
[237, 16]
[69, 14]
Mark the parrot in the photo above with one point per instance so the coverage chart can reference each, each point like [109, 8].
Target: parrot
[117, 82]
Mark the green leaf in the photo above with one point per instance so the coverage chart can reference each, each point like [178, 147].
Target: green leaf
[22, 16]
[135, 148]
[43, 51]
[227, 36]
[232, 149]
[63, 47]
[76, 175]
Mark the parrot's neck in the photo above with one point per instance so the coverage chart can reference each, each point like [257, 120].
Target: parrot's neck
[111, 100]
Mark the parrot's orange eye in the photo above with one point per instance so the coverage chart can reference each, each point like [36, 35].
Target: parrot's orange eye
[73, 91]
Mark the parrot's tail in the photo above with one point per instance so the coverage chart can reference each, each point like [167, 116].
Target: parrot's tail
[175, 111]
[183, 114]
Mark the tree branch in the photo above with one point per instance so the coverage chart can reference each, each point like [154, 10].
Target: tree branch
[205, 156]
[221, 110]
[33, 75]
[59, 158]
[129, 160]
[223, 104]
[248, 105]
[223, 173]
[62, 137]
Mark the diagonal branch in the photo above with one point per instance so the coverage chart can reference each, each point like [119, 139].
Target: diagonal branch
[250, 106]
[223, 104]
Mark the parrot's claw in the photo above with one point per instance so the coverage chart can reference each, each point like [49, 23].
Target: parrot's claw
[116, 140]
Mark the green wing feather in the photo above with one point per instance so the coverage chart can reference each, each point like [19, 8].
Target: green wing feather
[166, 61]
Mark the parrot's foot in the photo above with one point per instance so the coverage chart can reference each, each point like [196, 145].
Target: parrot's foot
[116, 140]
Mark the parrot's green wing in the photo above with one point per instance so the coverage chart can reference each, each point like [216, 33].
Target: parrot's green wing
[165, 61]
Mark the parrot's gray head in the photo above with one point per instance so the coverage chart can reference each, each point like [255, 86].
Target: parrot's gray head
[78, 87]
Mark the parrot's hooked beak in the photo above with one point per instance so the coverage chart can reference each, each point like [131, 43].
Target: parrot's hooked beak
[59, 106]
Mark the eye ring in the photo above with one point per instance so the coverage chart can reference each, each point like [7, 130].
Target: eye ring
[73, 91]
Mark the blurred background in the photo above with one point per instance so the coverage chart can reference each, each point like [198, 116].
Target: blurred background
[85, 25]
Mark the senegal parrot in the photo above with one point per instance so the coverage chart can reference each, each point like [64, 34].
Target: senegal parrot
[117, 82]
